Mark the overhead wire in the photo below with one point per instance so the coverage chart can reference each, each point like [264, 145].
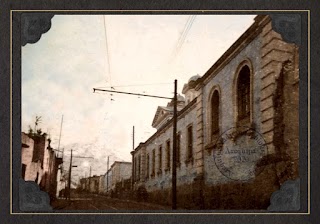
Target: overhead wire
[107, 48]
[143, 92]
[148, 84]
[131, 93]
[184, 35]
[183, 32]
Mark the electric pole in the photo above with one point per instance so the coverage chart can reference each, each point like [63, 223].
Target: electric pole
[69, 180]
[85, 181]
[70, 169]
[60, 136]
[90, 179]
[133, 165]
[133, 137]
[108, 175]
[174, 150]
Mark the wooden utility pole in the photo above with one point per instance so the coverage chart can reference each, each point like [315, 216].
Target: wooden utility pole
[133, 165]
[89, 179]
[85, 181]
[108, 175]
[60, 136]
[65, 189]
[70, 169]
[174, 151]
[69, 179]
[133, 137]
[174, 156]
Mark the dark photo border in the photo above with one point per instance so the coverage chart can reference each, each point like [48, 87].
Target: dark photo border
[11, 109]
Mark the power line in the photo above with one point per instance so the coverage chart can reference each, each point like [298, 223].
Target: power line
[148, 84]
[107, 47]
[130, 93]
[184, 29]
[184, 34]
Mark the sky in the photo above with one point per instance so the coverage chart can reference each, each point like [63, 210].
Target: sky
[134, 53]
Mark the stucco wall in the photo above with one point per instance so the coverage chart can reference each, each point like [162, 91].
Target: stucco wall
[125, 171]
[107, 181]
[27, 152]
[225, 81]
[186, 171]
[118, 172]
[32, 168]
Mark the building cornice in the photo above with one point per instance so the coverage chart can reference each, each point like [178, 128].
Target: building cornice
[250, 34]
[180, 114]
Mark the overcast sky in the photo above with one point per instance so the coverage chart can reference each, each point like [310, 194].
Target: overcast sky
[60, 71]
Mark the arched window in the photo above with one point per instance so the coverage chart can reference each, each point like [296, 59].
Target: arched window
[215, 114]
[243, 94]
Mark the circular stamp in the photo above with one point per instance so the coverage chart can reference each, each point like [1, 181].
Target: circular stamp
[238, 150]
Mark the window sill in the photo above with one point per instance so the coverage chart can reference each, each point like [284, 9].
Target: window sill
[189, 161]
[244, 126]
[214, 142]
[244, 122]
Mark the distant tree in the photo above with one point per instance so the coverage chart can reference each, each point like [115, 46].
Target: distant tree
[36, 132]
[30, 131]
[39, 131]
[37, 121]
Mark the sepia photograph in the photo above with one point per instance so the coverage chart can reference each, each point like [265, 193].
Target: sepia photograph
[160, 112]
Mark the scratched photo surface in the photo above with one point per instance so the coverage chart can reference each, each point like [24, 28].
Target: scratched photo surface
[160, 112]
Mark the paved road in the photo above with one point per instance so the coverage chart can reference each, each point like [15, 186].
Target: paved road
[103, 203]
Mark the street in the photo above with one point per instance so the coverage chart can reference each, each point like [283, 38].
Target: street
[99, 202]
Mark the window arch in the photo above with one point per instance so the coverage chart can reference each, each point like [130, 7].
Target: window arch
[243, 95]
[215, 115]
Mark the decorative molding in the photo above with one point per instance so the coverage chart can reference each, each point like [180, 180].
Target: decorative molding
[287, 198]
[33, 25]
[289, 26]
[31, 198]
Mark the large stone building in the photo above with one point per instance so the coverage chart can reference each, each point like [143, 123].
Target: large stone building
[237, 129]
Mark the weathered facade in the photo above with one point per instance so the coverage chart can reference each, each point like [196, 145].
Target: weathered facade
[39, 162]
[31, 168]
[115, 180]
[118, 172]
[107, 181]
[83, 184]
[237, 132]
[101, 184]
[94, 184]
